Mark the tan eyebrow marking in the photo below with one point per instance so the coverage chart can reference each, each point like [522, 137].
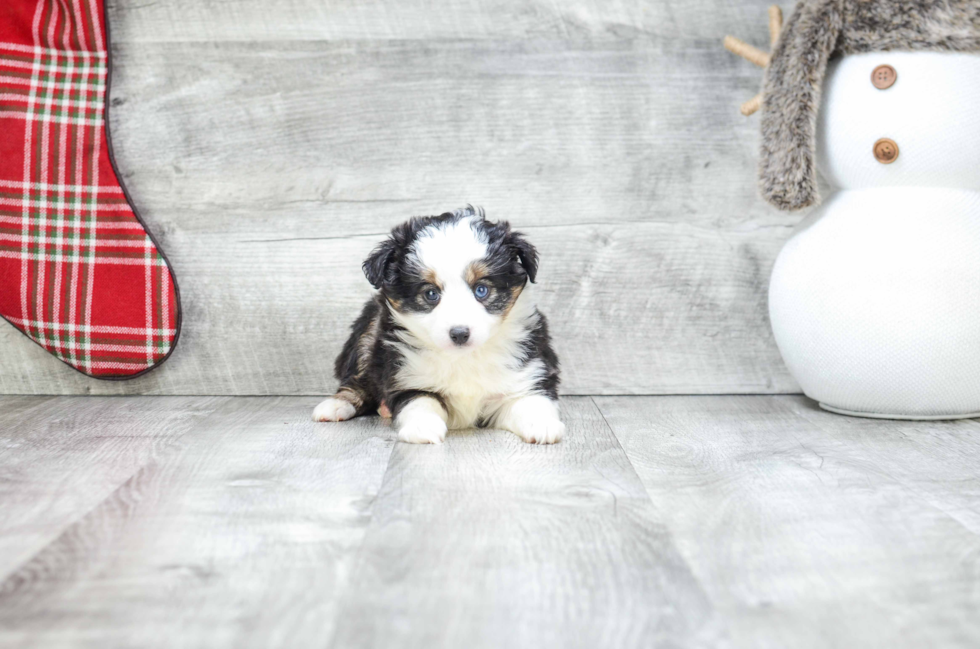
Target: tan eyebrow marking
[429, 276]
[476, 271]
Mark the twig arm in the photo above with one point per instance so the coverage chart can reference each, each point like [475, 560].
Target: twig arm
[746, 51]
[775, 23]
[751, 105]
[755, 55]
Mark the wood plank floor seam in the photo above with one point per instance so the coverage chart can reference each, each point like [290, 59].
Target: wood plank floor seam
[658, 521]
[920, 492]
[809, 529]
[455, 526]
[31, 434]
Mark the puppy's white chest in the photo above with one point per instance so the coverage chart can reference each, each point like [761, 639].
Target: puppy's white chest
[474, 385]
[474, 396]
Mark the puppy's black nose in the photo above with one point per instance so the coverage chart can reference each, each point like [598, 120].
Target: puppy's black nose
[460, 335]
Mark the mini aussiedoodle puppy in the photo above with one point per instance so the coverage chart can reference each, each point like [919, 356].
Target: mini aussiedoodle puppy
[451, 339]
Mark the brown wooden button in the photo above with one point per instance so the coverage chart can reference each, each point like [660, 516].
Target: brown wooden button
[886, 151]
[883, 77]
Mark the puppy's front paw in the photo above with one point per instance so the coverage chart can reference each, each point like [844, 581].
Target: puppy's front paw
[540, 430]
[333, 409]
[422, 428]
[534, 419]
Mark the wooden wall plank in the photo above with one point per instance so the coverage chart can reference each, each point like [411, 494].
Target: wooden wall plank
[809, 529]
[267, 319]
[268, 164]
[487, 541]
[328, 139]
[292, 20]
[241, 536]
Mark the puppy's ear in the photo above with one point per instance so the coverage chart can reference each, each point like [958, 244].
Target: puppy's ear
[376, 265]
[527, 253]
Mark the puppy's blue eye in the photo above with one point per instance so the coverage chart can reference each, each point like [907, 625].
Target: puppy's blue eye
[481, 291]
[431, 295]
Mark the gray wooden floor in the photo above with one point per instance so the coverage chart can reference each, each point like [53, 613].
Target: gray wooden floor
[659, 521]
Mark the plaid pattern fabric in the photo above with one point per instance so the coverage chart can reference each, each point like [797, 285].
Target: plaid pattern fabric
[79, 274]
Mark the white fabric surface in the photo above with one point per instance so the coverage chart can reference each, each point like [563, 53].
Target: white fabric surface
[875, 302]
[931, 112]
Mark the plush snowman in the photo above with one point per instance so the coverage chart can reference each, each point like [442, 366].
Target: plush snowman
[875, 299]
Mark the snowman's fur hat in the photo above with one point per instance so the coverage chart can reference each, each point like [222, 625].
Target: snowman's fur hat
[820, 30]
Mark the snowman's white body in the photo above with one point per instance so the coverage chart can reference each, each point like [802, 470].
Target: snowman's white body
[875, 300]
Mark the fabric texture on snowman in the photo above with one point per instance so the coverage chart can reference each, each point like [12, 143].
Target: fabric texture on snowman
[820, 30]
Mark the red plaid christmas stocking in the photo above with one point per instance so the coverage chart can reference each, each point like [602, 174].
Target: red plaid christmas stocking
[79, 273]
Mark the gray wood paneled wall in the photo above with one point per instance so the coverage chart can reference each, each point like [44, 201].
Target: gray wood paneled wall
[270, 145]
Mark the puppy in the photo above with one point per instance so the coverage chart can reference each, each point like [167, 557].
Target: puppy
[451, 339]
